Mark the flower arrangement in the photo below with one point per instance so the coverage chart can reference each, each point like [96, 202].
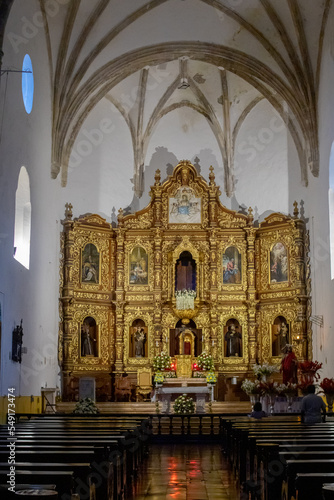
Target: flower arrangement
[271, 388]
[211, 378]
[205, 361]
[170, 374]
[159, 378]
[327, 386]
[184, 404]
[85, 405]
[289, 389]
[199, 374]
[309, 371]
[251, 387]
[161, 361]
[303, 385]
[264, 370]
[185, 299]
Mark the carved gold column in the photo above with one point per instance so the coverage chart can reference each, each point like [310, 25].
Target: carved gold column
[120, 299]
[213, 197]
[251, 294]
[157, 199]
[300, 251]
[68, 290]
[157, 290]
[213, 293]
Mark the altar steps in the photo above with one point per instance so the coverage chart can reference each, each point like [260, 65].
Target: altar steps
[149, 408]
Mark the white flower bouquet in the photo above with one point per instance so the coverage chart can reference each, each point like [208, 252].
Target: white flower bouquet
[161, 361]
[251, 387]
[184, 404]
[265, 370]
[205, 362]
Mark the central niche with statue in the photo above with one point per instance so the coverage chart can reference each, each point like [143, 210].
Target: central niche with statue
[185, 275]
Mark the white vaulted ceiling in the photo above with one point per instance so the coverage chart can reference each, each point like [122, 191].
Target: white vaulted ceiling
[124, 59]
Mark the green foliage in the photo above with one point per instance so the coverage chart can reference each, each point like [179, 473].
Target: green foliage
[184, 404]
[85, 405]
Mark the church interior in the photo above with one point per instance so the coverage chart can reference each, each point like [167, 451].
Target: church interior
[167, 176]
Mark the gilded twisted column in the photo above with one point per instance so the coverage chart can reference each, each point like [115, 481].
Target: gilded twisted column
[120, 302]
[68, 288]
[251, 294]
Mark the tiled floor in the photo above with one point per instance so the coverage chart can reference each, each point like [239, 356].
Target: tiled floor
[184, 472]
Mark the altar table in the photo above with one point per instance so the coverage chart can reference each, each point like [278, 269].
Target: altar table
[164, 394]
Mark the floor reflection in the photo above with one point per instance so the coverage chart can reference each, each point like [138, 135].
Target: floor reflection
[184, 472]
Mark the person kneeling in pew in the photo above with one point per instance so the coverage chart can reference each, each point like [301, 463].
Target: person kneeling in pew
[257, 411]
[312, 404]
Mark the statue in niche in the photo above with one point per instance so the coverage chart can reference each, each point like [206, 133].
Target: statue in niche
[280, 336]
[88, 338]
[139, 339]
[233, 340]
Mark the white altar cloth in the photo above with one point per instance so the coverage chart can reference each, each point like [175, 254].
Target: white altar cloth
[164, 394]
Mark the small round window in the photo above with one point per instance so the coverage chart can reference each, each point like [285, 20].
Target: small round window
[27, 83]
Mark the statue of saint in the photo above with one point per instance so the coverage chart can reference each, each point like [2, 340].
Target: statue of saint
[233, 341]
[139, 338]
[87, 341]
[289, 365]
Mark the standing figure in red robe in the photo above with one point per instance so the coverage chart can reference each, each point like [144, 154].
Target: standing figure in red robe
[289, 365]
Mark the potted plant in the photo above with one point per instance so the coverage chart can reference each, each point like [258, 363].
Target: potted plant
[159, 379]
[252, 389]
[86, 405]
[211, 378]
[327, 388]
[184, 404]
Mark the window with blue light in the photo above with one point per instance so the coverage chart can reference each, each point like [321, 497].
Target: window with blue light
[27, 83]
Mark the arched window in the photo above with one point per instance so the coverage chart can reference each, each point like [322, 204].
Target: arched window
[22, 219]
[331, 208]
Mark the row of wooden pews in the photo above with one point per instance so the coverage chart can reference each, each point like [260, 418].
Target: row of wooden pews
[95, 457]
[279, 457]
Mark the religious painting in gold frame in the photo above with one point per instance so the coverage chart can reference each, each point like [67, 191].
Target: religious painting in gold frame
[279, 263]
[90, 264]
[138, 266]
[232, 266]
[185, 207]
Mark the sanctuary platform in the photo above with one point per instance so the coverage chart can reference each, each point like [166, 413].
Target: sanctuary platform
[217, 407]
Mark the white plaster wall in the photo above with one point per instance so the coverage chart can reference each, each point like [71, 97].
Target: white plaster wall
[261, 164]
[28, 294]
[316, 204]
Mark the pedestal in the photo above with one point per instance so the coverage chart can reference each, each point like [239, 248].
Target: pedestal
[49, 399]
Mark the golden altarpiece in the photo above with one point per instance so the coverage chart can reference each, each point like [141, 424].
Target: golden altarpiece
[183, 275]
